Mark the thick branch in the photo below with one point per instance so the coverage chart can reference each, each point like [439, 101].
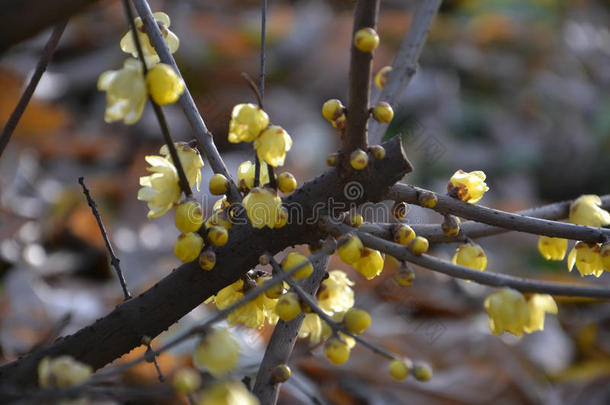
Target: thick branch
[506, 220]
[360, 80]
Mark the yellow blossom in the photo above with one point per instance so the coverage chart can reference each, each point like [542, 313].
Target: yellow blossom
[245, 175]
[587, 258]
[221, 204]
[552, 248]
[370, 263]
[218, 353]
[335, 293]
[508, 311]
[161, 189]
[247, 122]
[262, 206]
[150, 55]
[190, 159]
[539, 304]
[604, 252]
[312, 328]
[586, 210]
[62, 372]
[125, 92]
[470, 255]
[468, 187]
[251, 314]
[272, 144]
[164, 85]
[227, 393]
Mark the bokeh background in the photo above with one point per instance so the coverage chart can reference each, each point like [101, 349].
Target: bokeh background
[519, 89]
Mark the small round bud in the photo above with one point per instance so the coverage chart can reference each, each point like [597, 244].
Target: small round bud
[451, 225]
[146, 340]
[189, 217]
[188, 246]
[427, 199]
[286, 182]
[332, 160]
[356, 320]
[336, 350]
[366, 39]
[404, 276]
[218, 184]
[275, 291]
[350, 251]
[359, 159]
[403, 234]
[419, 245]
[340, 122]
[282, 217]
[207, 259]
[280, 374]
[422, 371]
[383, 112]
[288, 307]
[263, 260]
[604, 253]
[355, 220]
[294, 259]
[218, 236]
[399, 369]
[378, 152]
[220, 218]
[382, 76]
[399, 210]
[332, 109]
[186, 381]
[164, 85]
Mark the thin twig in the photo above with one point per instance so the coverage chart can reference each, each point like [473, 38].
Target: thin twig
[261, 76]
[150, 352]
[201, 132]
[405, 64]
[26, 96]
[114, 260]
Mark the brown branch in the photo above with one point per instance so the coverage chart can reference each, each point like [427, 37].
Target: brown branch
[26, 96]
[506, 220]
[360, 80]
[283, 340]
[405, 64]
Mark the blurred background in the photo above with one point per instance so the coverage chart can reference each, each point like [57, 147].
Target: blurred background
[518, 89]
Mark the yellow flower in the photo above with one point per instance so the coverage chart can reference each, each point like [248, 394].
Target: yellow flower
[370, 263]
[586, 210]
[125, 92]
[587, 258]
[294, 259]
[468, 187]
[552, 248]
[335, 293]
[150, 55]
[227, 393]
[221, 204]
[218, 353]
[245, 175]
[470, 255]
[188, 246]
[263, 207]
[538, 305]
[161, 189]
[508, 311]
[62, 372]
[190, 159]
[247, 122]
[272, 144]
[251, 314]
[312, 328]
[164, 85]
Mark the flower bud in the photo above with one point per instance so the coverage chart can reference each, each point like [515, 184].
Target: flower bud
[218, 235]
[359, 159]
[286, 182]
[332, 109]
[189, 217]
[366, 39]
[356, 320]
[188, 246]
[350, 251]
[288, 306]
[427, 199]
[294, 259]
[451, 225]
[336, 350]
[422, 371]
[207, 259]
[164, 85]
[419, 245]
[383, 112]
[399, 368]
[218, 184]
[332, 160]
[378, 152]
[280, 373]
[382, 76]
[403, 234]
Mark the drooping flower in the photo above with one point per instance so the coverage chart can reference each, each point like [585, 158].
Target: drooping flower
[587, 258]
[164, 85]
[190, 159]
[586, 210]
[247, 122]
[227, 393]
[470, 255]
[217, 353]
[125, 92]
[272, 144]
[160, 189]
[311, 328]
[468, 187]
[128, 45]
[263, 207]
[245, 175]
[552, 248]
[508, 311]
[370, 263]
[539, 305]
[62, 372]
[335, 293]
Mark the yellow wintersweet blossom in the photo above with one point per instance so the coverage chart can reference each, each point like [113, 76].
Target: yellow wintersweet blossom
[552, 248]
[370, 263]
[227, 393]
[468, 187]
[190, 159]
[587, 258]
[272, 144]
[125, 92]
[470, 255]
[586, 210]
[335, 293]
[160, 189]
[245, 175]
[251, 314]
[539, 305]
[247, 122]
[164, 85]
[218, 353]
[314, 328]
[62, 372]
[508, 311]
[263, 207]
[150, 55]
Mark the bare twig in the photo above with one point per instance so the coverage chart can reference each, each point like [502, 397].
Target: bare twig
[26, 96]
[114, 260]
[261, 76]
[153, 357]
[405, 64]
[202, 134]
[449, 205]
